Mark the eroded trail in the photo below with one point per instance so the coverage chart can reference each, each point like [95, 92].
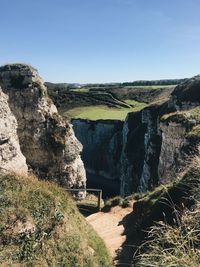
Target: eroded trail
[111, 229]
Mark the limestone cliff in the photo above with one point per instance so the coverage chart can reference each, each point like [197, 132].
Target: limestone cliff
[11, 158]
[46, 140]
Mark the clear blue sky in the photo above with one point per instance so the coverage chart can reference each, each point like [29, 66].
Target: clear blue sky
[102, 40]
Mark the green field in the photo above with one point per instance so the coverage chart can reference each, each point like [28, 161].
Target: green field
[100, 90]
[149, 86]
[135, 104]
[102, 112]
[81, 90]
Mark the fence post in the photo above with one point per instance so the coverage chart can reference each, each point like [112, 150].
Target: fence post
[99, 199]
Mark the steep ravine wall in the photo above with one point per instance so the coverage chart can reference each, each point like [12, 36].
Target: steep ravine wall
[141, 149]
[127, 151]
[102, 143]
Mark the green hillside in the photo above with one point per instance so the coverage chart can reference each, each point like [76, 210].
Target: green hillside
[41, 226]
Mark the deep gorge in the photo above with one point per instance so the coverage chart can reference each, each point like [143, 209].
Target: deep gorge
[147, 149]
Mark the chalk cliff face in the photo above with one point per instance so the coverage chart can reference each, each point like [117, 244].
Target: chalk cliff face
[140, 153]
[127, 151]
[172, 154]
[102, 141]
[11, 158]
[46, 140]
[180, 138]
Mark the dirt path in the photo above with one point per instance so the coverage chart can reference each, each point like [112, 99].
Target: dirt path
[109, 227]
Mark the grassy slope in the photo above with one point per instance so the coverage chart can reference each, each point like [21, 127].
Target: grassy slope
[103, 111]
[56, 234]
[173, 241]
[189, 118]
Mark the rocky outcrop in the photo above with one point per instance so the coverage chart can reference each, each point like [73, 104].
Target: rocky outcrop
[11, 158]
[102, 141]
[186, 95]
[46, 140]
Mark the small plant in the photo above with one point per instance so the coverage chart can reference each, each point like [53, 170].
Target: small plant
[116, 201]
[139, 195]
[125, 203]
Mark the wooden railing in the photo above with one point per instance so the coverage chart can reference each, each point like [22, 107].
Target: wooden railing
[91, 190]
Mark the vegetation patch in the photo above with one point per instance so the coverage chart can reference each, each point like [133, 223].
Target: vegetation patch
[192, 115]
[81, 90]
[174, 246]
[41, 226]
[150, 87]
[102, 112]
[17, 81]
[175, 239]
[116, 201]
[135, 104]
[194, 133]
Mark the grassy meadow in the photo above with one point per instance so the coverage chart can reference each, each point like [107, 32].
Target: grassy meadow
[103, 112]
